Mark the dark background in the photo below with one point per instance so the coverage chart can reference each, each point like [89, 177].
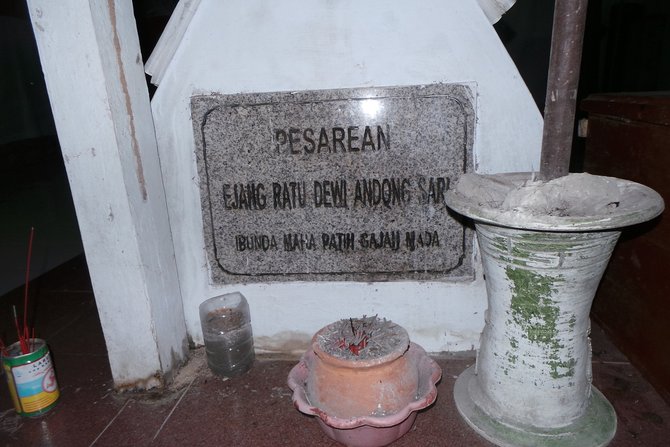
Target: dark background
[626, 49]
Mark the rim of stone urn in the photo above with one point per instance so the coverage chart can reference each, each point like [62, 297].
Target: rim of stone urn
[399, 350]
[638, 203]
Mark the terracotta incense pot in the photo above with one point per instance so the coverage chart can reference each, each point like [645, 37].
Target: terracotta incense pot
[370, 381]
[365, 391]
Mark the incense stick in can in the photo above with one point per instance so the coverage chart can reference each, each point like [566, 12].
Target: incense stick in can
[31, 378]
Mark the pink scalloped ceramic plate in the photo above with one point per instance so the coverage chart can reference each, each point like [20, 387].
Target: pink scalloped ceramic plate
[369, 431]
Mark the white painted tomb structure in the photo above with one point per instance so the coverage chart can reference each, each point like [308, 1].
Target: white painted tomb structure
[136, 178]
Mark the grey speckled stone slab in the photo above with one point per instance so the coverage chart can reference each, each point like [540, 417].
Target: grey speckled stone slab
[336, 184]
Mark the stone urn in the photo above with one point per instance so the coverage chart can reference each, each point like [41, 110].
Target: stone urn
[544, 247]
[364, 380]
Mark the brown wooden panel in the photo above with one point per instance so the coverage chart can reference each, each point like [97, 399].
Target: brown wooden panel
[646, 108]
[629, 137]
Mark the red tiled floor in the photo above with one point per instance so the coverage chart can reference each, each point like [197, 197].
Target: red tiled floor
[200, 409]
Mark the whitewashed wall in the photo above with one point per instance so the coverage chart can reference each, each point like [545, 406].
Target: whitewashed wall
[234, 46]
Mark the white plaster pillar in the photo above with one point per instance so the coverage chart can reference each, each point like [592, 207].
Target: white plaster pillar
[94, 74]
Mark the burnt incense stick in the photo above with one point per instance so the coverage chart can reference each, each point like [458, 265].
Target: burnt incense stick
[26, 332]
[20, 333]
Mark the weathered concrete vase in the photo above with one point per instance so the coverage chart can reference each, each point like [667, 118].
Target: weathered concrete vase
[544, 248]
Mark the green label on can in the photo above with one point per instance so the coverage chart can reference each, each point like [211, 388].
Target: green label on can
[31, 379]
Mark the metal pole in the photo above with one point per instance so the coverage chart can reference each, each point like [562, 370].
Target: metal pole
[562, 82]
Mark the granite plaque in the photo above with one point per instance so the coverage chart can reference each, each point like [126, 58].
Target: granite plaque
[335, 184]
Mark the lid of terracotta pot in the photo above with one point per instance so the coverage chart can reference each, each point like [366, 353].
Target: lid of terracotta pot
[338, 345]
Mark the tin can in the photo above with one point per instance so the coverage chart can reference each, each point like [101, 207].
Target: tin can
[31, 378]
